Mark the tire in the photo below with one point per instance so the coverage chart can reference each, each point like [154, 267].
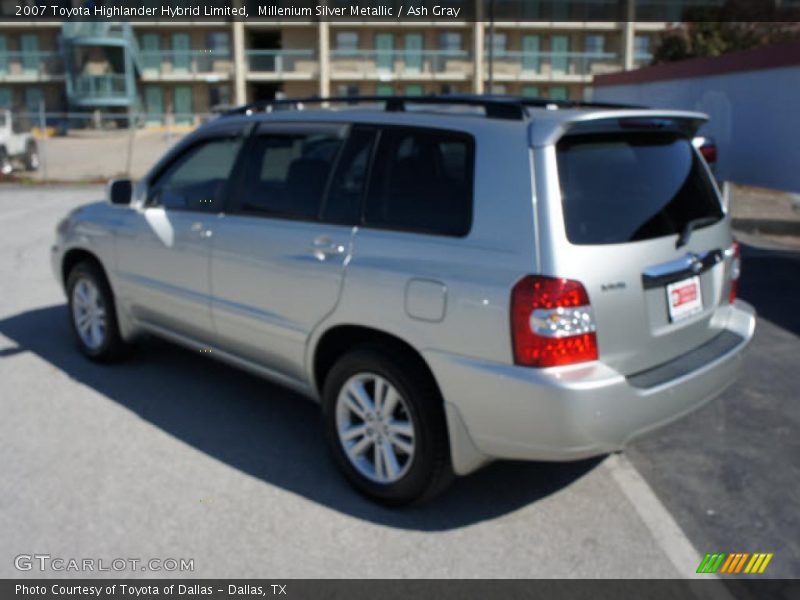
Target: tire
[6, 168]
[91, 302]
[413, 476]
[32, 157]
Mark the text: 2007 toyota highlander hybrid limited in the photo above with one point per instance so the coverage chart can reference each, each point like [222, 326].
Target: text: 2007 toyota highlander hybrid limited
[456, 280]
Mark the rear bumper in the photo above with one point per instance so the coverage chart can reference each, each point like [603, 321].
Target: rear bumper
[504, 411]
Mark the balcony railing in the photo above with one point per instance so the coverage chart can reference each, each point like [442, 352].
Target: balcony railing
[101, 86]
[164, 63]
[90, 29]
[400, 62]
[552, 65]
[299, 60]
[31, 64]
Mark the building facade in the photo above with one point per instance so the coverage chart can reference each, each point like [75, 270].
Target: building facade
[178, 70]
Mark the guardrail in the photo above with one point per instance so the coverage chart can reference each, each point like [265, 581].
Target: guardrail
[553, 64]
[183, 62]
[282, 61]
[36, 64]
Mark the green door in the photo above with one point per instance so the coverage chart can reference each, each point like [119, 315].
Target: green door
[181, 52]
[530, 53]
[6, 98]
[151, 53]
[3, 55]
[414, 89]
[384, 46]
[154, 105]
[530, 91]
[413, 54]
[29, 44]
[384, 89]
[33, 99]
[183, 105]
[559, 60]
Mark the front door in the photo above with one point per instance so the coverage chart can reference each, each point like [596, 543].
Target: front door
[413, 52]
[530, 56]
[181, 52]
[384, 46]
[3, 54]
[277, 265]
[182, 108]
[154, 105]
[29, 44]
[559, 48]
[151, 53]
[164, 245]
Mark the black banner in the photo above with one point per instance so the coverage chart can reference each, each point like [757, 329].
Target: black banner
[440, 11]
[750, 588]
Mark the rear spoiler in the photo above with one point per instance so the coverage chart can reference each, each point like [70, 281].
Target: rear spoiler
[546, 130]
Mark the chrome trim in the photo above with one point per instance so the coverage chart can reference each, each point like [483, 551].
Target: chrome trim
[687, 266]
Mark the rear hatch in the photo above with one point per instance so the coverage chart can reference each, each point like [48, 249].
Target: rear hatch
[638, 220]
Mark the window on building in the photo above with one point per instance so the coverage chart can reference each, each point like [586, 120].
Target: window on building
[197, 179]
[219, 43]
[450, 41]
[286, 173]
[346, 41]
[594, 44]
[422, 182]
[558, 92]
[500, 42]
[219, 95]
[347, 89]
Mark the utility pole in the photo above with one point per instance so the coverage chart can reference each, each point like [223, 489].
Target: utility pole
[491, 46]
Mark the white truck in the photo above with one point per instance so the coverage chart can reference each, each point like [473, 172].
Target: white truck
[17, 144]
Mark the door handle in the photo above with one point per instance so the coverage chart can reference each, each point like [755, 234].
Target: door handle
[323, 246]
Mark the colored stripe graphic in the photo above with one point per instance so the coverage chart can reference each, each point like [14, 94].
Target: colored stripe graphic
[735, 562]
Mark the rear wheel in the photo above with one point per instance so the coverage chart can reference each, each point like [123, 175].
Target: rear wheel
[93, 314]
[32, 157]
[385, 425]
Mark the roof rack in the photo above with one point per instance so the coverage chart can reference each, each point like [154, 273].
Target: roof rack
[495, 106]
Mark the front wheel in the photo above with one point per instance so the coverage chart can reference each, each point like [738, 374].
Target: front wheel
[385, 425]
[6, 168]
[93, 314]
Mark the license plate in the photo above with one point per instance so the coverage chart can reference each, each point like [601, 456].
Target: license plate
[684, 298]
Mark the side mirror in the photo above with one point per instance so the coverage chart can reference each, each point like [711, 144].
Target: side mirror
[119, 191]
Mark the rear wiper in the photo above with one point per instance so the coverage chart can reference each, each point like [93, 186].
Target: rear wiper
[687, 230]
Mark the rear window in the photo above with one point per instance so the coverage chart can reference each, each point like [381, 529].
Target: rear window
[619, 188]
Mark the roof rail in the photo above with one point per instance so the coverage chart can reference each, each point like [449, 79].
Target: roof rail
[495, 106]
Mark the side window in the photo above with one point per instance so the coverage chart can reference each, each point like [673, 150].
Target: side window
[286, 173]
[343, 204]
[422, 181]
[196, 181]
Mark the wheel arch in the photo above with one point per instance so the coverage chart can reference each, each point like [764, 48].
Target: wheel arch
[76, 255]
[343, 338]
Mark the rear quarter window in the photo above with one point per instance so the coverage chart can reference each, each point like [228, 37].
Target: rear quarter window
[422, 181]
[619, 188]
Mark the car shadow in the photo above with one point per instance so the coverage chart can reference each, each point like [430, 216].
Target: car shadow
[770, 281]
[266, 431]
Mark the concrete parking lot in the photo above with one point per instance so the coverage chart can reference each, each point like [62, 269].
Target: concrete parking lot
[170, 454]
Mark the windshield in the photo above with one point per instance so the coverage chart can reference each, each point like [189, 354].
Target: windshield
[625, 187]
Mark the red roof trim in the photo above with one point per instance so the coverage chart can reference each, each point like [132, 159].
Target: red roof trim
[768, 57]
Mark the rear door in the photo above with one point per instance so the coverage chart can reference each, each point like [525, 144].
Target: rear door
[277, 263]
[633, 215]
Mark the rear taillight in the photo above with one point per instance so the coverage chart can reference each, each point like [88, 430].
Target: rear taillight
[709, 152]
[736, 269]
[552, 323]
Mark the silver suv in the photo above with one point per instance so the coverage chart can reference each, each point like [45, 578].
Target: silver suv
[455, 280]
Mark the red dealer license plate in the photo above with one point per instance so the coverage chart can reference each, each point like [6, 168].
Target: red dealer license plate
[684, 298]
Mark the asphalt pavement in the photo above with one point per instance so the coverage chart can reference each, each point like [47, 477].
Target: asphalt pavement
[172, 455]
